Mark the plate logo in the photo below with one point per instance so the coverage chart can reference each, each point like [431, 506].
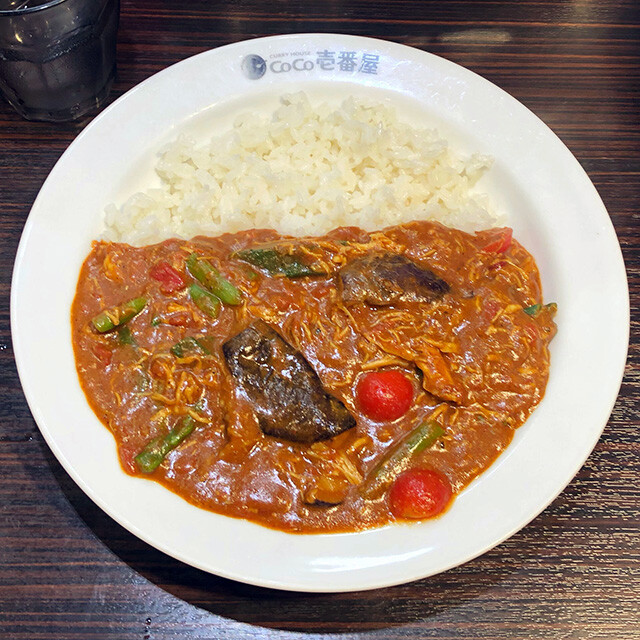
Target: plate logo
[254, 66]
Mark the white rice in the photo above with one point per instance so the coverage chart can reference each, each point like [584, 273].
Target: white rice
[303, 171]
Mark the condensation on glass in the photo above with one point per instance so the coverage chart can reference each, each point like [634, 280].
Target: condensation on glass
[57, 58]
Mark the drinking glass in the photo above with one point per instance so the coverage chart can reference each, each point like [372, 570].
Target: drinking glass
[57, 57]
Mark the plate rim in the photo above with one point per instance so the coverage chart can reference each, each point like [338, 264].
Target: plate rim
[60, 455]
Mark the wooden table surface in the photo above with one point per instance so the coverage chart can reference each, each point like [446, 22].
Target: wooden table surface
[67, 571]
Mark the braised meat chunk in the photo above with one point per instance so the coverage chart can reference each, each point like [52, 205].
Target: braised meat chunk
[285, 391]
[383, 279]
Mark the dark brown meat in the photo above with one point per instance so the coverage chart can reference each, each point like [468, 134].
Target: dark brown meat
[285, 391]
[386, 278]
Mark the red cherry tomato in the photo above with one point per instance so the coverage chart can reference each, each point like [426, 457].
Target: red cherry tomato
[169, 278]
[384, 395]
[419, 493]
[496, 240]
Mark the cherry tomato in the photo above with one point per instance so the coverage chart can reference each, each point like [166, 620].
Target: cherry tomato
[169, 278]
[419, 493]
[384, 395]
[496, 240]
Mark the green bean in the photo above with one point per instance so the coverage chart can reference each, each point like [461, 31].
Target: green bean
[155, 451]
[421, 438]
[203, 271]
[109, 319]
[204, 300]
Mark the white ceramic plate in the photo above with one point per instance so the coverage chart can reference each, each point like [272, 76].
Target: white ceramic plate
[551, 204]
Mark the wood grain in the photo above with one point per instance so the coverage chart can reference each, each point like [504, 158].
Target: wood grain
[67, 571]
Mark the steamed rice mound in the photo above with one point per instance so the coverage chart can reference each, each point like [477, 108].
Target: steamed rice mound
[304, 171]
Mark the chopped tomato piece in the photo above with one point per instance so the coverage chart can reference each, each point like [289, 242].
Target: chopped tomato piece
[179, 319]
[532, 331]
[102, 353]
[157, 370]
[385, 395]
[498, 265]
[169, 278]
[489, 310]
[496, 240]
[419, 493]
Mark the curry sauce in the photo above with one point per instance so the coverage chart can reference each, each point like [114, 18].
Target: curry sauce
[233, 363]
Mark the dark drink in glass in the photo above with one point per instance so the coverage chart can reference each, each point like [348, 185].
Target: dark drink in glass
[57, 57]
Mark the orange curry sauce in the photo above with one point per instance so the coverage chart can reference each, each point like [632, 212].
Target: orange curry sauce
[477, 361]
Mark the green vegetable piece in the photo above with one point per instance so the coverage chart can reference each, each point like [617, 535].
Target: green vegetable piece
[142, 382]
[535, 309]
[251, 274]
[155, 451]
[125, 337]
[203, 271]
[277, 262]
[421, 438]
[200, 406]
[205, 301]
[109, 319]
[189, 344]
[156, 321]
